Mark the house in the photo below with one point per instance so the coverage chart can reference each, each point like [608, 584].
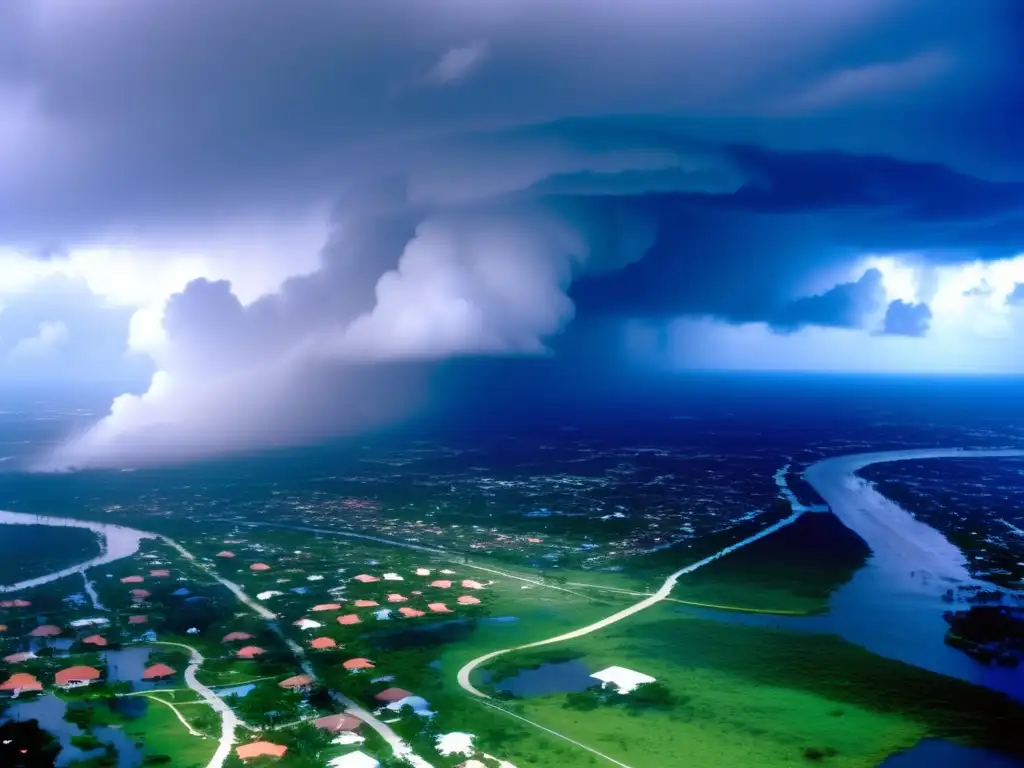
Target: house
[348, 618]
[132, 580]
[157, 672]
[20, 682]
[225, 553]
[355, 759]
[94, 622]
[17, 603]
[455, 743]
[76, 677]
[250, 652]
[297, 683]
[358, 664]
[338, 723]
[97, 640]
[392, 577]
[45, 630]
[139, 594]
[418, 704]
[439, 608]
[468, 600]
[231, 637]
[394, 597]
[384, 614]
[18, 658]
[391, 695]
[365, 603]
[625, 680]
[322, 643]
[259, 567]
[138, 619]
[365, 578]
[447, 572]
[422, 571]
[410, 613]
[308, 624]
[260, 749]
[470, 584]
[327, 607]
[440, 583]
[160, 573]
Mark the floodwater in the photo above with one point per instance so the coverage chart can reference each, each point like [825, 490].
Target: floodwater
[48, 710]
[892, 606]
[944, 754]
[126, 664]
[241, 691]
[554, 677]
[118, 542]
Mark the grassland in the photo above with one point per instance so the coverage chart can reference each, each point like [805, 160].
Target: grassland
[747, 695]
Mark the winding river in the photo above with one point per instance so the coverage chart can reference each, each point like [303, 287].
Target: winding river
[893, 605]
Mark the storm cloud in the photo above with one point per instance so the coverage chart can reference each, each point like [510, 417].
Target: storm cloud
[491, 173]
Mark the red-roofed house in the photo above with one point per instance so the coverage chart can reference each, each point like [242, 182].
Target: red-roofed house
[97, 640]
[365, 578]
[470, 584]
[260, 749]
[358, 664]
[391, 695]
[160, 573]
[20, 682]
[439, 608]
[225, 553]
[250, 652]
[468, 600]
[18, 658]
[76, 677]
[157, 672]
[322, 643]
[259, 567]
[327, 607]
[394, 597]
[18, 603]
[365, 603]
[139, 594]
[138, 620]
[231, 637]
[132, 580]
[338, 723]
[45, 630]
[410, 613]
[348, 618]
[297, 683]
[441, 583]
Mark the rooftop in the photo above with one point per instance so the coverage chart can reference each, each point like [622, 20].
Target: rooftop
[260, 749]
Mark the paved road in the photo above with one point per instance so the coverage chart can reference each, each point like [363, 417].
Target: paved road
[229, 721]
[662, 593]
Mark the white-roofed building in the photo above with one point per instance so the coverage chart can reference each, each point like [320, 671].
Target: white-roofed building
[626, 680]
[355, 759]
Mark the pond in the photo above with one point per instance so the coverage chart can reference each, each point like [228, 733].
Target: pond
[126, 664]
[49, 712]
[554, 677]
[241, 691]
[933, 753]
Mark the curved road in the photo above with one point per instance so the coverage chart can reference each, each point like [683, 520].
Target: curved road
[229, 721]
[661, 594]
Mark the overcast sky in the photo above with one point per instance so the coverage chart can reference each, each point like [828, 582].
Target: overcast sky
[276, 218]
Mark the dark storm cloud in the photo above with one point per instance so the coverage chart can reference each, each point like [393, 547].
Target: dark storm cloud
[848, 305]
[906, 319]
[488, 164]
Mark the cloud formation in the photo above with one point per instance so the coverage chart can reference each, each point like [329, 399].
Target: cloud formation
[493, 171]
[906, 319]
